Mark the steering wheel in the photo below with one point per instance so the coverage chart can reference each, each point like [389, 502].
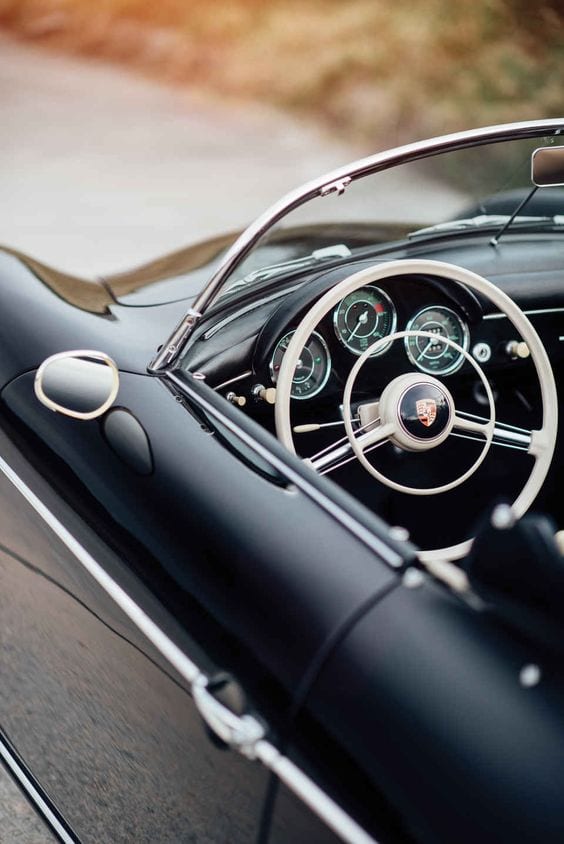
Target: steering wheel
[416, 411]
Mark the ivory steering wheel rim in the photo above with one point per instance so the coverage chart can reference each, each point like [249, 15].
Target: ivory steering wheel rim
[542, 441]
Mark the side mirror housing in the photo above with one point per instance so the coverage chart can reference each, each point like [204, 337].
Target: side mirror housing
[82, 384]
[547, 167]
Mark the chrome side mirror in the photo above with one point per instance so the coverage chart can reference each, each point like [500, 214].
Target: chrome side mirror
[82, 384]
[547, 167]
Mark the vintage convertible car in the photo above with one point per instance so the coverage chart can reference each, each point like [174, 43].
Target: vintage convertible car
[291, 571]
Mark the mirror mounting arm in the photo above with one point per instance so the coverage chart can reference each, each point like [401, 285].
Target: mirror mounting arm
[497, 237]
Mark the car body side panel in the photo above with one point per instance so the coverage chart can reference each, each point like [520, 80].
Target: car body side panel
[427, 695]
[211, 525]
[89, 705]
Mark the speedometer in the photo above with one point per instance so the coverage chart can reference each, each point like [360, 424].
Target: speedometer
[432, 355]
[362, 317]
[312, 369]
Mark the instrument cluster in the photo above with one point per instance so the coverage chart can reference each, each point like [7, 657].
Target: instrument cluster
[365, 316]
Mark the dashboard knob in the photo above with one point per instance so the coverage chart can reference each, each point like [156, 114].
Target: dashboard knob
[239, 401]
[517, 349]
[267, 394]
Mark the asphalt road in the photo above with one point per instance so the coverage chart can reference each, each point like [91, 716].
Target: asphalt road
[18, 823]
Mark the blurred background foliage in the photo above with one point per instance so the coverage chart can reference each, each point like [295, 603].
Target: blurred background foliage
[373, 71]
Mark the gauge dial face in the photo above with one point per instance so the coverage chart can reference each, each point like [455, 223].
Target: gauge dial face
[362, 317]
[312, 369]
[434, 356]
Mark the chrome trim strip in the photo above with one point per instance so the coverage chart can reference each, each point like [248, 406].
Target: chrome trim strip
[288, 773]
[534, 312]
[296, 780]
[366, 536]
[320, 187]
[40, 805]
[234, 380]
[185, 667]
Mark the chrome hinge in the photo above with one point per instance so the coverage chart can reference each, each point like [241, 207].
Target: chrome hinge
[246, 735]
[169, 351]
[239, 732]
[339, 186]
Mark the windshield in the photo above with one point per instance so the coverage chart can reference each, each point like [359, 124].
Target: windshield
[467, 181]
[479, 186]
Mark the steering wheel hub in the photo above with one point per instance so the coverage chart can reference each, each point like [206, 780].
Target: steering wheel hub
[421, 410]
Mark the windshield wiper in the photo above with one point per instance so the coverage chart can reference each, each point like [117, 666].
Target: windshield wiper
[337, 250]
[485, 221]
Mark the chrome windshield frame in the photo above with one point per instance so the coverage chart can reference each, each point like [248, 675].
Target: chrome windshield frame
[335, 181]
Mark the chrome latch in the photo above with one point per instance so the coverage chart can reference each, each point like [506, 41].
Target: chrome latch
[238, 732]
[339, 186]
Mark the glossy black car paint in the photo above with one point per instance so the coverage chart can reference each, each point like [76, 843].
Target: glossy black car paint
[401, 701]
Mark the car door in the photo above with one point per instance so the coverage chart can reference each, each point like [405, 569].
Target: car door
[126, 580]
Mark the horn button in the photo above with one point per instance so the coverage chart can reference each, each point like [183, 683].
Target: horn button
[421, 410]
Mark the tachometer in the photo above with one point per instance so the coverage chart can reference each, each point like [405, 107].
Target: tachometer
[362, 317]
[433, 355]
[313, 367]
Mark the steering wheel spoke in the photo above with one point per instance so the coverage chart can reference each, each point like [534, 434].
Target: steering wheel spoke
[377, 436]
[341, 451]
[472, 427]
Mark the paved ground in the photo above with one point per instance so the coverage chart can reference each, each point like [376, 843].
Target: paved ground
[18, 824]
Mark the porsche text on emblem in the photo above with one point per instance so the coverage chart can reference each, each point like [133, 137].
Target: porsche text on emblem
[426, 411]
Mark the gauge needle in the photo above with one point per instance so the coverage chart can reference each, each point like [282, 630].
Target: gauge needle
[362, 320]
[426, 349]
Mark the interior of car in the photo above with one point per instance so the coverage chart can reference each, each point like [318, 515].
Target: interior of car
[414, 312]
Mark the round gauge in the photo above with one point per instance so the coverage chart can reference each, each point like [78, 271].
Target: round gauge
[434, 356]
[362, 317]
[312, 369]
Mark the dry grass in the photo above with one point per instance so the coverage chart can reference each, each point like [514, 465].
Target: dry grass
[373, 70]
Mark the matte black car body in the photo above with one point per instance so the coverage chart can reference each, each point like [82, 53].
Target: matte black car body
[174, 548]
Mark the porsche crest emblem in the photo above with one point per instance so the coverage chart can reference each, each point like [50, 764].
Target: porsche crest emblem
[426, 411]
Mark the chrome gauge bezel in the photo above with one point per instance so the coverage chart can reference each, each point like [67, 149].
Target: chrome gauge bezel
[328, 364]
[454, 367]
[390, 304]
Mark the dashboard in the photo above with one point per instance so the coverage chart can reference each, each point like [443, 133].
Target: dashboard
[240, 348]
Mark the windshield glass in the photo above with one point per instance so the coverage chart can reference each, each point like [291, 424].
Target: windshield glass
[476, 187]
